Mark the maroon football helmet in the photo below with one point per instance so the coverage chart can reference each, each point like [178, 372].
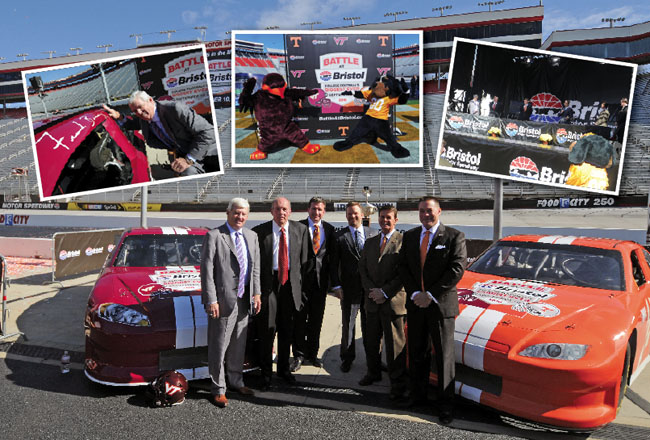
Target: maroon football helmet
[169, 388]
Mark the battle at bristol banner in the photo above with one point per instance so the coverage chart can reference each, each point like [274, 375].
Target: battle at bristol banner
[219, 54]
[176, 75]
[334, 63]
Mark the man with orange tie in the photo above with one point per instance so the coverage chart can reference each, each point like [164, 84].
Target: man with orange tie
[431, 262]
[315, 283]
[385, 301]
[283, 251]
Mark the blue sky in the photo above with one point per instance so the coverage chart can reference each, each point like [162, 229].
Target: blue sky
[36, 26]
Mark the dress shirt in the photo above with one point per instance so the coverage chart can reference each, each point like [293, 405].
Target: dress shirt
[276, 245]
[354, 230]
[433, 230]
[388, 236]
[233, 233]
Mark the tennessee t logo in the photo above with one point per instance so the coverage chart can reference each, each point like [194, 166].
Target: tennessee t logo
[383, 39]
[295, 41]
[344, 130]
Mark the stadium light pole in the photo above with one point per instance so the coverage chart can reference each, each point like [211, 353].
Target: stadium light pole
[77, 49]
[104, 46]
[137, 37]
[441, 9]
[351, 19]
[202, 30]
[492, 3]
[50, 52]
[169, 33]
[611, 21]
[395, 14]
[310, 24]
[23, 55]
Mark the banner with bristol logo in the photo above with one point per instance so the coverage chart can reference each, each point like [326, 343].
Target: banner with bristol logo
[219, 65]
[334, 63]
[176, 75]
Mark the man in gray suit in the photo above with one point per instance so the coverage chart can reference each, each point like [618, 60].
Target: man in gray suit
[230, 287]
[171, 126]
[385, 304]
[346, 282]
[283, 252]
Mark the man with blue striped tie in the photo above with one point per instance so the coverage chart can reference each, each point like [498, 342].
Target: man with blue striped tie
[230, 287]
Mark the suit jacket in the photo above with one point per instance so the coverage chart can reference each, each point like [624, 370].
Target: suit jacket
[524, 115]
[444, 266]
[298, 242]
[499, 109]
[316, 270]
[344, 264]
[380, 270]
[220, 268]
[191, 134]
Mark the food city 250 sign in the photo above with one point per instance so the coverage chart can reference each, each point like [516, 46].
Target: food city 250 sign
[13, 219]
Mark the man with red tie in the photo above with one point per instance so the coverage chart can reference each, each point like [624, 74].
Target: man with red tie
[495, 107]
[316, 276]
[525, 111]
[432, 261]
[283, 251]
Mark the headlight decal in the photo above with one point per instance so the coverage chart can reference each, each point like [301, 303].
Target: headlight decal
[120, 314]
[560, 351]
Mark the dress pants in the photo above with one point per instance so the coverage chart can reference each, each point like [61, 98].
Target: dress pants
[384, 323]
[309, 323]
[277, 314]
[426, 326]
[227, 347]
[349, 313]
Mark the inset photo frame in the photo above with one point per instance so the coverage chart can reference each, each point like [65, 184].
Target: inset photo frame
[327, 99]
[536, 116]
[118, 122]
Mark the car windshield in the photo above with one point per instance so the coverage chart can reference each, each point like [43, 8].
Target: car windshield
[160, 250]
[552, 263]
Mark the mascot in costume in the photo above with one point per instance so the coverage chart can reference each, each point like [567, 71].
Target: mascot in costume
[384, 93]
[273, 108]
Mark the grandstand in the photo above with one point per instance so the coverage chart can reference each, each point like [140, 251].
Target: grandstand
[121, 81]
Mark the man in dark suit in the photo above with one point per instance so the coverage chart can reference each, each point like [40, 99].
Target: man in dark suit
[346, 251]
[431, 262]
[385, 302]
[283, 252]
[496, 107]
[621, 118]
[315, 283]
[566, 114]
[171, 126]
[525, 111]
[230, 287]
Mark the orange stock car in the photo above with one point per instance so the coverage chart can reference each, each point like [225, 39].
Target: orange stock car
[553, 329]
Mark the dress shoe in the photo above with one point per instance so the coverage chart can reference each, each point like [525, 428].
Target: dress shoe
[315, 362]
[446, 417]
[266, 383]
[287, 377]
[296, 364]
[345, 366]
[244, 391]
[369, 380]
[220, 400]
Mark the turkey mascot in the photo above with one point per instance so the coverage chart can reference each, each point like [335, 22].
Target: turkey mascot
[273, 108]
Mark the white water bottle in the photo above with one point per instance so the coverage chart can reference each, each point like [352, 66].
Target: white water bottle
[65, 362]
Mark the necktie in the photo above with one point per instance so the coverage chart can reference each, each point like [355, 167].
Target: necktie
[383, 245]
[358, 240]
[243, 263]
[160, 134]
[316, 239]
[423, 255]
[283, 259]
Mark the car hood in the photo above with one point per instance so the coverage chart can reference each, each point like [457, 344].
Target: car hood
[144, 284]
[535, 306]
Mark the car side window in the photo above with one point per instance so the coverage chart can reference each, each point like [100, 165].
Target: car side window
[637, 271]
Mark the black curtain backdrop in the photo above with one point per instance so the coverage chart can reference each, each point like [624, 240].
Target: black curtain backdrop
[574, 79]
